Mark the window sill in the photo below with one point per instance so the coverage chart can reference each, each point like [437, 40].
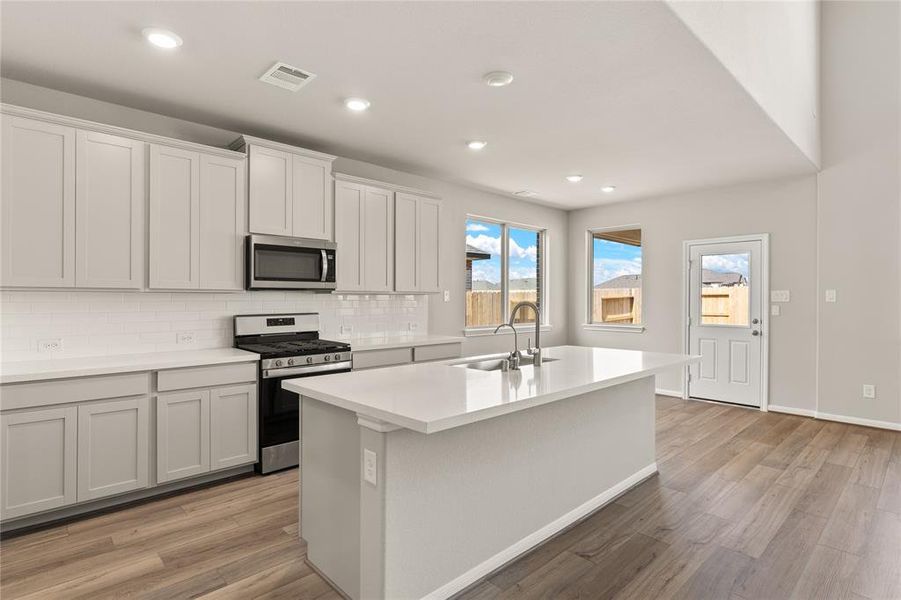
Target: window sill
[481, 331]
[616, 328]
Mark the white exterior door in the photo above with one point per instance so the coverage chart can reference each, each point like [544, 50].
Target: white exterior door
[725, 321]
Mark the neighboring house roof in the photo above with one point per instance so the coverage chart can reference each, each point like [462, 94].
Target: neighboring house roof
[623, 281]
[473, 253]
[481, 284]
[526, 283]
[722, 278]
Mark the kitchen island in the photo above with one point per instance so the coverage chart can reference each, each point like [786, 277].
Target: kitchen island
[419, 480]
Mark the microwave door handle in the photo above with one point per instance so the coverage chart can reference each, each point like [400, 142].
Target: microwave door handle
[324, 265]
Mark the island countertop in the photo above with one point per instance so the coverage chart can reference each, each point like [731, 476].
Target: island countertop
[432, 397]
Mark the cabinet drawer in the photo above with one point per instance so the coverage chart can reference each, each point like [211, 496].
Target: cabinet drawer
[437, 352]
[370, 359]
[62, 391]
[194, 377]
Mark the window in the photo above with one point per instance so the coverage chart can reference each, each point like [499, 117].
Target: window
[615, 277]
[503, 267]
[724, 289]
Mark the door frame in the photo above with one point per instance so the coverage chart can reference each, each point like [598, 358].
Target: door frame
[764, 239]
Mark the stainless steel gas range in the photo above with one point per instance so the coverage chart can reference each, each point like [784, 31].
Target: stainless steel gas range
[289, 346]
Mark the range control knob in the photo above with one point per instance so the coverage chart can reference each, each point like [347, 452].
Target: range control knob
[327, 358]
[309, 360]
[278, 363]
[290, 361]
[337, 357]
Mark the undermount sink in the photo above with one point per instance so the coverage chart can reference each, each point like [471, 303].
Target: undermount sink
[497, 364]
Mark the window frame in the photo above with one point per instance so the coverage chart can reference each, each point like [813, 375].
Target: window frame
[589, 324]
[505, 279]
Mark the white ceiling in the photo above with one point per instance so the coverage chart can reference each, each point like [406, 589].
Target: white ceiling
[620, 92]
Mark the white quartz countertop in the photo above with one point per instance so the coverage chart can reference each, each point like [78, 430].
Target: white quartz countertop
[58, 368]
[432, 397]
[401, 341]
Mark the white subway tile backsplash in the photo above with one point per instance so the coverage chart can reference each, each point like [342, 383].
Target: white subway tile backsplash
[98, 322]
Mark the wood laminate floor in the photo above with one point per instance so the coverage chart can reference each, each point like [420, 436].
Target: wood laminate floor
[747, 505]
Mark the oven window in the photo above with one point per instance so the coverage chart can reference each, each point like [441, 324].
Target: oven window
[279, 263]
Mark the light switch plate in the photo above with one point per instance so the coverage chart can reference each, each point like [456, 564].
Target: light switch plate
[370, 467]
[775, 310]
[780, 296]
[869, 390]
[831, 295]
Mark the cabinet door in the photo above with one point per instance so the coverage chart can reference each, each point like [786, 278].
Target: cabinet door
[378, 240]
[233, 426]
[113, 449]
[271, 195]
[222, 223]
[109, 211]
[406, 276]
[312, 191]
[428, 245]
[38, 460]
[38, 204]
[348, 235]
[182, 435]
[174, 218]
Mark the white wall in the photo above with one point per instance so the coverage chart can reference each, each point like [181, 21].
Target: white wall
[457, 202]
[858, 209]
[786, 209]
[772, 50]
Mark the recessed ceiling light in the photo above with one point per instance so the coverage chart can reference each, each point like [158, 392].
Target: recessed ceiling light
[497, 78]
[574, 178]
[356, 104]
[608, 189]
[525, 193]
[476, 144]
[162, 38]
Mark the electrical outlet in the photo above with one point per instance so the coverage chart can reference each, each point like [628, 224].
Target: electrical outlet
[184, 337]
[831, 296]
[370, 466]
[775, 310]
[447, 295]
[869, 390]
[346, 329]
[411, 326]
[50, 345]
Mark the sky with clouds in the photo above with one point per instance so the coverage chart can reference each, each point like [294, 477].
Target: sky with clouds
[726, 263]
[613, 259]
[523, 251]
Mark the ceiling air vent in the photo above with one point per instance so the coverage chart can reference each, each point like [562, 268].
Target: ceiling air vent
[286, 76]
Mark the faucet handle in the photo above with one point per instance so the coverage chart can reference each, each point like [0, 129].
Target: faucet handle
[529, 349]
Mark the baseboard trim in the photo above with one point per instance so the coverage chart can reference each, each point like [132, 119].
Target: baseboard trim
[789, 410]
[664, 392]
[859, 421]
[505, 556]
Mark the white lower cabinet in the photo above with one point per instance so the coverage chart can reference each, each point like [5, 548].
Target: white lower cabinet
[233, 426]
[113, 447]
[204, 430]
[39, 460]
[182, 434]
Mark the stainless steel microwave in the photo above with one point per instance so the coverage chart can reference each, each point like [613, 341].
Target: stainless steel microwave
[276, 262]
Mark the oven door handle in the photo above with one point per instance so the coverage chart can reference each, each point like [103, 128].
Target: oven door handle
[324, 265]
[309, 370]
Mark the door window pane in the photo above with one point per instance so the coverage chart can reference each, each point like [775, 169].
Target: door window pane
[523, 271]
[616, 277]
[483, 274]
[725, 289]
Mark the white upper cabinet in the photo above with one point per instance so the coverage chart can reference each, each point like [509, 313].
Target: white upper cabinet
[290, 191]
[417, 242]
[38, 204]
[222, 222]
[271, 196]
[174, 218]
[109, 211]
[364, 232]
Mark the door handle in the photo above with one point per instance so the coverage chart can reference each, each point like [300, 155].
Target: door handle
[324, 266]
[755, 332]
